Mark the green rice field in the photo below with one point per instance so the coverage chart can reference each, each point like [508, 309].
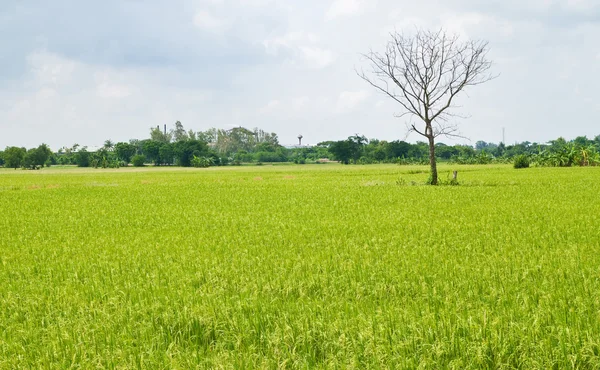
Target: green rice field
[300, 267]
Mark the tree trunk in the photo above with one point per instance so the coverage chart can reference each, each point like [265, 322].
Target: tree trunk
[432, 163]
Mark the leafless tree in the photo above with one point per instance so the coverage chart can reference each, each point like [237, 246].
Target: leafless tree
[424, 73]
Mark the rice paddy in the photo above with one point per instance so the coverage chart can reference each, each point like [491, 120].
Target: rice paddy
[324, 266]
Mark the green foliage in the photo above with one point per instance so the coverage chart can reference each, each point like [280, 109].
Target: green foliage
[125, 151]
[521, 161]
[186, 150]
[138, 160]
[13, 156]
[243, 157]
[35, 158]
[202, 162]
[166, 154]
[345, 151]
[151, 149]
[563, 154]
[270, 157]
[82, 158]
[158, 135]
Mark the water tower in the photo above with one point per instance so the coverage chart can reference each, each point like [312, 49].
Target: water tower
[300, 140]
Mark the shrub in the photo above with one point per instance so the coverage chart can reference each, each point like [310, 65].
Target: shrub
[138, 160]
[202, 162]
[521, 161]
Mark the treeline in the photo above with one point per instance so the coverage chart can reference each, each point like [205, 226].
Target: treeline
[177, 147]
[557, 153]
[214, 147]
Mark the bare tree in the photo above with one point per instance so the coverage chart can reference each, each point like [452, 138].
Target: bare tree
[424, 73]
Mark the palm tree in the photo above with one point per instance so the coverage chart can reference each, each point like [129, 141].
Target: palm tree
[109, 145]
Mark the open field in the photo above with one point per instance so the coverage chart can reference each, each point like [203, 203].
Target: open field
[300, 267]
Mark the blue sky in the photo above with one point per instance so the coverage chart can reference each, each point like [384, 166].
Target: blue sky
[83, 72]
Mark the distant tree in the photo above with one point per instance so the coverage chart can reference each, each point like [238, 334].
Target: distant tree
[151, 149]
[444, 151]
[157, 135]
[166, 153]
[263, 137]
[345, 151]
[269, 157]
[179, 134]
[243, 156]
[514, 150]
[397, 149]
[239, 138]
[138, 160]
[82, 157]
[185, 151]
[419, 150]
[208, 136]
[500, 150]
[465, 151]
[379, 154]
[557, 144]
[109, 145]
[480, 145]
[266, 147]
[1, 158]
[582, 141]
[137, 144]
[125, 151]
[36, 157]
[13, 156]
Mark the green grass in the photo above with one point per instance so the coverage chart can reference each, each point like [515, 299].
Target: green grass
[300, 267]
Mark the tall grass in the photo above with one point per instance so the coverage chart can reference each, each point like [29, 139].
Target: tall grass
[299, 267]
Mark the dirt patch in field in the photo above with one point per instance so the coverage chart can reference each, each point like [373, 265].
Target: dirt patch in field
[52, 186]
[33, 187]
[288, 177]
[258, 178]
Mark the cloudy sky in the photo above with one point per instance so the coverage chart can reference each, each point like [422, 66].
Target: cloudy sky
[75, 71]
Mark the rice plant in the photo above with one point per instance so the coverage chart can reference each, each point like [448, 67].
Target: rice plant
[299, 267]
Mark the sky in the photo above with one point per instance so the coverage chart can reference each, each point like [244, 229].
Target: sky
[84, 72]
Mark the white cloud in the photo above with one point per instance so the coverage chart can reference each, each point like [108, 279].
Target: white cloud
[349, 100]
[107, 90]
[290, 40]
[301, 48]
[341, 8]
[207, 21]
[580, 5]
[316, 57]
[202, 62]
[111, 85]
[51, 69]
[89, 103]
[270, 107]
[300, 103]
[473, 25]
